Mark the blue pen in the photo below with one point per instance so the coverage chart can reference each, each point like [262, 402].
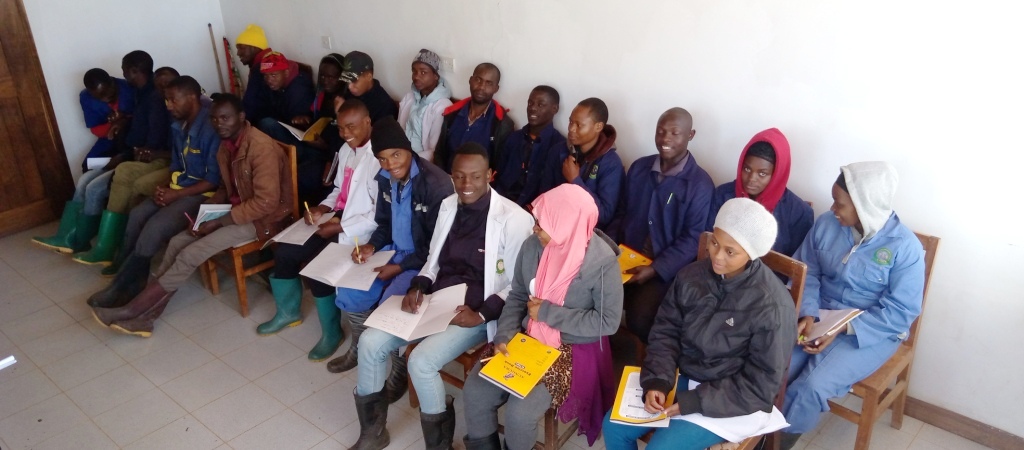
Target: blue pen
[669, 197]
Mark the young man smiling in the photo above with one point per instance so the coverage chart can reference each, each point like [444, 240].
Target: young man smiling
[529, 164]
[663, 216]
[477, 118]
[256, 182]
[478, 235]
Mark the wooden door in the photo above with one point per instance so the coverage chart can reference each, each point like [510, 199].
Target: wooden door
[35, 179]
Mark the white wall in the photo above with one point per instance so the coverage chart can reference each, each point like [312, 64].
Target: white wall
[73, 36]
[934, 89]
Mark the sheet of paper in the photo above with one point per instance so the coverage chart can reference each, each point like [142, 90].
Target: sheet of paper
[736, 429]
[632, 405]
[434, 315]
[294, 131]
[829, 319]
[298, 233]
[96, 163]
[360, 276]
[330, 264]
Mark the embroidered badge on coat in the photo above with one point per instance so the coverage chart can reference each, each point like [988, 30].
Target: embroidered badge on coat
[883, 256]
[729, 321]
[593, 172]
[500, 266]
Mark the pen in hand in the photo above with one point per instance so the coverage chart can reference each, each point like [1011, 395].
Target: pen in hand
[359, 253]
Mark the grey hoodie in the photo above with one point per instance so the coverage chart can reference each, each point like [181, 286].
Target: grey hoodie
[872, 186]
[593, 303]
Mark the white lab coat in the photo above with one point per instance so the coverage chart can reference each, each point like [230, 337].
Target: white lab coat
[357, 220]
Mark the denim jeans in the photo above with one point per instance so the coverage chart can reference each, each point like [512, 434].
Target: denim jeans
[92, 189]
[430, 355]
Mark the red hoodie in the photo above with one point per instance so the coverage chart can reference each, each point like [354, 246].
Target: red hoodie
[771, 194]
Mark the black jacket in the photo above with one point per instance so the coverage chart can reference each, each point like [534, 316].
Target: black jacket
[734, 336]
[428, 189]
[501, 127]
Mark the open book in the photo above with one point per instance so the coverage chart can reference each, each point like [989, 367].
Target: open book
[311, 133]
[210, 211]
[629, 259]
[629, 402]
[298, 232]
[334, 266]
[434, 315]
[527, 362]
[829, 322]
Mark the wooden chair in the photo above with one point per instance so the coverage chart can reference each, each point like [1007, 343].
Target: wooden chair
[209, 269]
[887, 387]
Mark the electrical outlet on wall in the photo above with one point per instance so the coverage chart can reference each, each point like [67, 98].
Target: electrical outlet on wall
[448, 64]
[326, 42]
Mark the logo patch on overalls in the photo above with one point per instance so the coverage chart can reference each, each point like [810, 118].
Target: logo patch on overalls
[593, 172]
[883, 256]
[500, 266]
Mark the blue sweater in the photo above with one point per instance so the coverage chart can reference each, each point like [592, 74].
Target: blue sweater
[602, 178]
[672, 213]
[151, 125]
[884, 277]
[96, 111]
[542, 173]
[793, 215]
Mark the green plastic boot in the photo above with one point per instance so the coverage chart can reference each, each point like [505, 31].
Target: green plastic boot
[68, 219]
[86, 228]
[111, 233]
[288, 298]
[330, 325]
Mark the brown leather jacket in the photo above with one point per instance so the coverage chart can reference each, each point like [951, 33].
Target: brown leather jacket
[262, 174]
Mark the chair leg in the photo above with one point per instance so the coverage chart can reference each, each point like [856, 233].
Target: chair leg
[243, 295]
[898, 407]
[204, 274]
[868, 414]
[550, 430]
[212, 274]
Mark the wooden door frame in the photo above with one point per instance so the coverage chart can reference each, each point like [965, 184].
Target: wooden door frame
[27, 76]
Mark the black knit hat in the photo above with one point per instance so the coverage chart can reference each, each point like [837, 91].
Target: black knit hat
[387, 134]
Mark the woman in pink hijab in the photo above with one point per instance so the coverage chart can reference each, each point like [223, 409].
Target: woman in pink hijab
[566, 292]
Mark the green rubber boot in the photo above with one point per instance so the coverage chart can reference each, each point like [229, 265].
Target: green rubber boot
[288, 298]
[110, 235]
[68, 219]
[86, 228]
[330, 326]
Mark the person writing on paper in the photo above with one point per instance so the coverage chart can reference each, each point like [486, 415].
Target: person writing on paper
[858, 255]
[662, 216]
[762, 176]
[409, 193]
[257, 184]
[350, 206]
[478, 234]
[421, 110]
[567, 293]
[727, 322]
[194, 177]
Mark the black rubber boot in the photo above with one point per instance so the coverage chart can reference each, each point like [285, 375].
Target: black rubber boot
[491, 442]
[789, 440]
[126, 285]
[439, 429]
[350, 359]
[373, 419]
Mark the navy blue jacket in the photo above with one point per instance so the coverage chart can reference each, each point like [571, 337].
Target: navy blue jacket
[602, 178]
[794, 217]
[542, 173]
[151, 124]
[673, 213]
[293, 100]
[256, 91]
[429, 188]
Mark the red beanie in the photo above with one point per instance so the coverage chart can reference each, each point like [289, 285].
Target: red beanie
[273, 62]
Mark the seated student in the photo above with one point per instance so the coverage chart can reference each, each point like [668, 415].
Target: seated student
[478, 234]
[107, 104]
[575, 272]
[256, 182]
[762, 176]
[727, 323]
[858, 255]
[251, 46]
[592, 163]
[149, 129]
[194, 177]
[663, 216]
[358, 74]
[352, 203]
[529, 165]
[329, 87]
[462, 120]
[420, 112]
[409, 193]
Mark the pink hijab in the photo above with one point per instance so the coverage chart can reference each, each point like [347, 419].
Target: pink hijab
[568, 215]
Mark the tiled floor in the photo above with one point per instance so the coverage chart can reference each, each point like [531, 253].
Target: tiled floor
[205, 380]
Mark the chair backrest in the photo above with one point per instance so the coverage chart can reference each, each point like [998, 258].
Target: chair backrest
[784, 265]
[931, 245]
[293, 168]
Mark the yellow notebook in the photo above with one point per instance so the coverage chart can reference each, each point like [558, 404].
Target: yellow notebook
[629, 259]
[527, 361]
[628, 408]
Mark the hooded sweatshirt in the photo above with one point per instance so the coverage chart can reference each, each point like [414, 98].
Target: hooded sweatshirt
[421, 117]
[602, 175]
[793, 215]
[881, 272]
